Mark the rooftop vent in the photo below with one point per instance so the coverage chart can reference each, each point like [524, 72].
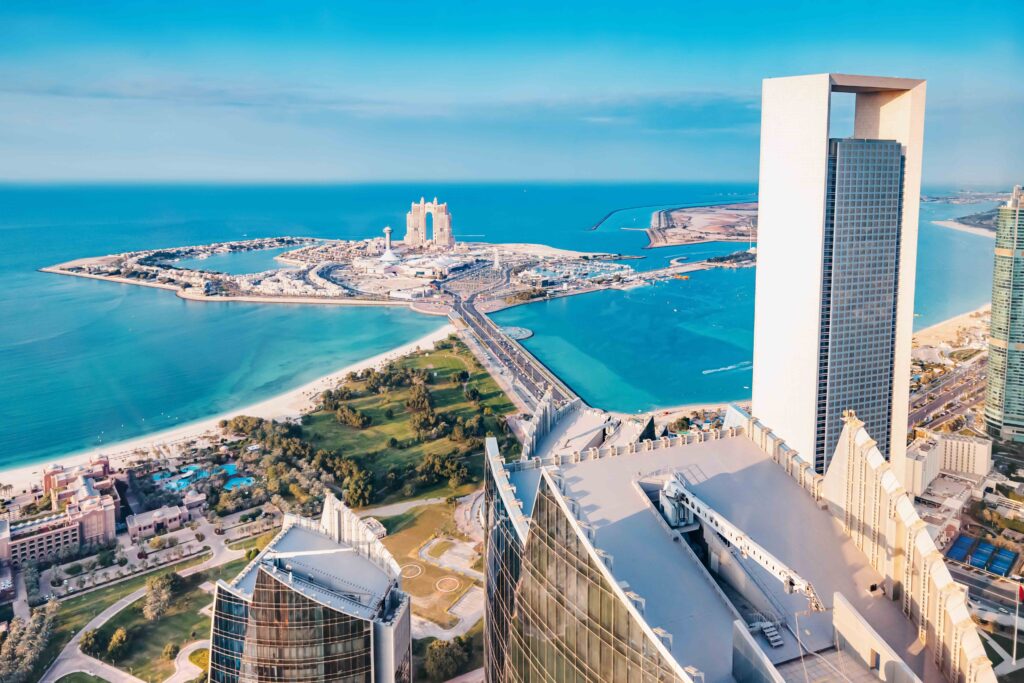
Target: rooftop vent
[664, 636]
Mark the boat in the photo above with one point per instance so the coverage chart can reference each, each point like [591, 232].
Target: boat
[681, 277]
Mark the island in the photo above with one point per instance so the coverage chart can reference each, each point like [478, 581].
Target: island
[691, 225]
[427, 274]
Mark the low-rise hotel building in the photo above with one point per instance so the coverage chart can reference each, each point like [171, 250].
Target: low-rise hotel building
[718, 556]
[159, 521]
[59, 478]
[89, 518]
[935, 452]
[322, 602]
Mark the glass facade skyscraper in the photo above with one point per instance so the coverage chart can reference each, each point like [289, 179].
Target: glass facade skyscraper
[859, 289]
[282, 635]
[552, 612]
[837, 223]
[1004, 402]
[322, 602]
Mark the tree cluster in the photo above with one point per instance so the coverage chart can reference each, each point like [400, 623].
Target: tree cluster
[332, 399]
[356, 482]
[682, 424]
[24, 641]
[446, 658]
[151, 494]
[419, 399]
[31, 575]
[348, 415]
[242, 424]
[159, 591]
[434, 467]
[118, 645]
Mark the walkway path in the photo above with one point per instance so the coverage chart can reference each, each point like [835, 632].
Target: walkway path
[185, 670]
[21, 608]
[467, 515]
[72, 659]
[1006, 666]
[474, 676]
[424, 628]
[398, 508]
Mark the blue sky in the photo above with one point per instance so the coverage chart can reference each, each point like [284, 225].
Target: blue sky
[332, 91]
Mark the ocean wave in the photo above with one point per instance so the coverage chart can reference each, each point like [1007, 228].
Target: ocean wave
[745, 365]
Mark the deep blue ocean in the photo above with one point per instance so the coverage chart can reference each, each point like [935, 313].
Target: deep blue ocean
[85, 363]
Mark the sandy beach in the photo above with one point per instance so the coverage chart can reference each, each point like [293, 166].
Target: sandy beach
[947, 330]
[673, 412]
[293, 403]
[287, 405]
[963, 227]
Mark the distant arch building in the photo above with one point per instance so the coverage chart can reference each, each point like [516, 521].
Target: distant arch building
[416, 224]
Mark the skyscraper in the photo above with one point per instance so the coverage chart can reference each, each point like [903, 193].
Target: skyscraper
[837, 250]
[322, 602]
[1004, 403]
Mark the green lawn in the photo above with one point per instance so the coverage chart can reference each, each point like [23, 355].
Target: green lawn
[439, 548]
[201, 658]
[76, 612]
[259, 542]
[181, 624]
[81, 677]
[994, 656]
[369, 447]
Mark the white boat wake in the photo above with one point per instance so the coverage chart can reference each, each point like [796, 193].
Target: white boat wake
[745, 365]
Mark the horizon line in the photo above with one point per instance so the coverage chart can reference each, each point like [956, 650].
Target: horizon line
[225, 182]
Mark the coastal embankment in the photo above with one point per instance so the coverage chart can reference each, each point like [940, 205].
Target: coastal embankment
[290, 404]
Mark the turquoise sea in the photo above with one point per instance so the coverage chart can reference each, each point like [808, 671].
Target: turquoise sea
[86, 363]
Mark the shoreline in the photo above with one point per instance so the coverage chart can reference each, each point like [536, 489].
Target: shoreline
[946, 331]
[293, 403]
[190, 295]
[288, 404]
[963, 227]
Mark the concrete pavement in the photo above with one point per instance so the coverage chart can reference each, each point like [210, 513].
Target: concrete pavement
[474, 676]
[398, 508]
[21, 608]
[460, 560]
[184, 670]
[72, 659]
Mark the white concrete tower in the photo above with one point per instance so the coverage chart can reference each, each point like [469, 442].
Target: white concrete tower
[388, 255]
[836, 256]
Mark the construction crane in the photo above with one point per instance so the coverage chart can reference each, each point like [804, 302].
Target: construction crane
[680, 506]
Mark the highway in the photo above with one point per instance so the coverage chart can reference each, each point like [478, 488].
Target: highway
[521, 364]
[983, 587]
[964, 380]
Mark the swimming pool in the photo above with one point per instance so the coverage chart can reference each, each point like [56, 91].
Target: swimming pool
[238, 482]
[192, 473]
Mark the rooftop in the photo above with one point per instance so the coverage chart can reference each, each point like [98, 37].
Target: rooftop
[573, 432]
[741, 483]
[321, 560]
[331, 573]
